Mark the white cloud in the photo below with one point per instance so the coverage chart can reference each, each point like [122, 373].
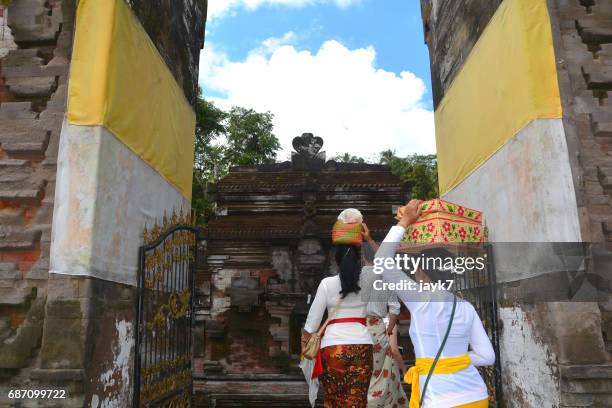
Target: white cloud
[218, 8]
[336, 93]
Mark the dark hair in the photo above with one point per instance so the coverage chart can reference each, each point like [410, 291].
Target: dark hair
[430, 255]
[348, 258]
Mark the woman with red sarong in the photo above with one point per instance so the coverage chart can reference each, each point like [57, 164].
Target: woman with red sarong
[346, 345]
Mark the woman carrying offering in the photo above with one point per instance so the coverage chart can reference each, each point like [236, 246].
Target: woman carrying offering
[441, 325]
[346, 344]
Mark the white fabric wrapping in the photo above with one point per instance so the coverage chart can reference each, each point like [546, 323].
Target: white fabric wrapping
[307, 367]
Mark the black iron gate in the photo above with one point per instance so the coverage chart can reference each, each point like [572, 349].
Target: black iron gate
[479, 287]
[163, 374]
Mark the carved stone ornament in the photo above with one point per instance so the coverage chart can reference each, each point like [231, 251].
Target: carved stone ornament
[308, 145]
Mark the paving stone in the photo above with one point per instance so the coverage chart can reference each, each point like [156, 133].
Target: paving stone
[31, 87]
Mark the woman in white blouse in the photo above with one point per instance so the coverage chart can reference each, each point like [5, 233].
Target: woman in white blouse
[455, 381]
[346, 346]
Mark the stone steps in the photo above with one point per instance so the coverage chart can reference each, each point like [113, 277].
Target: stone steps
[255, 401]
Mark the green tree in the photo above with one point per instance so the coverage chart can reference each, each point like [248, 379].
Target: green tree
[210, 126]
[225, 139]
[250, 139]
[420, 170]
[348, 158]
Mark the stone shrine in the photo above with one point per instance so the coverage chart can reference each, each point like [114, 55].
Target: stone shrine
[267, 249]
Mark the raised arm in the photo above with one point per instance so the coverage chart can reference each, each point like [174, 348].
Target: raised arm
[385, 254]
[481, 353]
[317, 309]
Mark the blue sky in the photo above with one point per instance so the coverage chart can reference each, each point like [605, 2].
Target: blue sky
[372, 51]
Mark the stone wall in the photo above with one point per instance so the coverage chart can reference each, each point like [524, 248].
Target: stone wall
[177, 29]
[69, 332]
[451, 29]
[583, 44]
[553, 352]
[33, 82]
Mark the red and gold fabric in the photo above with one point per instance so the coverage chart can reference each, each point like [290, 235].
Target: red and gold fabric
[347, 369]
[347, 234]
[442, 221]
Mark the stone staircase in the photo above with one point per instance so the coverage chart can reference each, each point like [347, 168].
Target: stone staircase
[271, 393]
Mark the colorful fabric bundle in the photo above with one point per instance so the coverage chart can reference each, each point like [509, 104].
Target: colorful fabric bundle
[445, 222]
[347, 234]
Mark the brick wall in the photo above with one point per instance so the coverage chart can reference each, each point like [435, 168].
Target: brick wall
[32, 104]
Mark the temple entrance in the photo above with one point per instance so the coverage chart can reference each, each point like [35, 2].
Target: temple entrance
[267, 249]
[163, 366]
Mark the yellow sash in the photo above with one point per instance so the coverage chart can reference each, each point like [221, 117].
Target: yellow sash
[447, 365]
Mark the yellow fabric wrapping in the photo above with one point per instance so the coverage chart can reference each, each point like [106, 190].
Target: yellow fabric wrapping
[478, 404]
[422, 366]
[118, 80]
[508, 80]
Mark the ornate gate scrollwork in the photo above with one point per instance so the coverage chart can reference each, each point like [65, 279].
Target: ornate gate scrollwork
[479, 287]
[163, 375]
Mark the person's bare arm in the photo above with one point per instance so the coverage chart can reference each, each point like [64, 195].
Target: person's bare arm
[392, 322]
[368, 238]
[397, 356]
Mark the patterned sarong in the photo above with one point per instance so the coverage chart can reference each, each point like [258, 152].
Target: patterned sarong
[347, 369]
[385, 386]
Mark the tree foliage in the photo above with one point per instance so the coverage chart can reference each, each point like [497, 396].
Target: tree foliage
[226, 139]
[243, 136]
[348, 158]
[420, 170]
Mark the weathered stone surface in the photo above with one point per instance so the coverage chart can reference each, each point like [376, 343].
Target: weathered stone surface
[177, 30]
[16, 351]
[63, 320]
[8, 270]
[452, 27]
[16, 110]
[31, 87]
[35, 20]
[22, 57]
[600, 78]
[18, 240]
